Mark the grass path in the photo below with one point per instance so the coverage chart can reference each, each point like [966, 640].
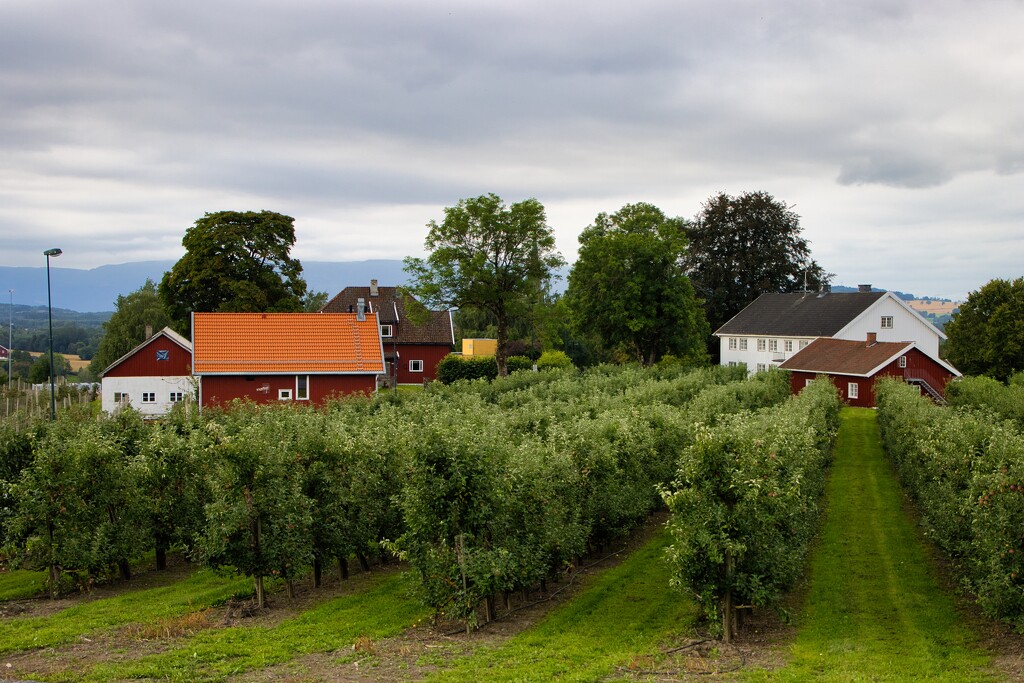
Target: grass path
[876, 610]
[625, 612]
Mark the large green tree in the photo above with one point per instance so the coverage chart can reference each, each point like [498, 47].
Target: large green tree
[487, 256]
[629, 286]
[235, 261]
[745, 246]
[986, 336]
[126, 328]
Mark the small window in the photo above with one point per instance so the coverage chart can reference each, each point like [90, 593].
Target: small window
[803, 343]
[760, 344]
[177, 397]
[149, 397]
[807, 382]
[902, 362]
[120, 397]
[743, 344]
[773, 344]
[789, 345]
[732, 343]
[163, 354]
[886, 322]
[284, 394]
[761, 367]
[852, 390]
[386, 331]
[302, 388]
[415, 366]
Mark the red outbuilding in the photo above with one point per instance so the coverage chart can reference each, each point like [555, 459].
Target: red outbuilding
[854, 366]
[270, 357]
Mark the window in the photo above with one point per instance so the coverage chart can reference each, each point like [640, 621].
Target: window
[732, 343]
[121, 398]
[177, 397]
[302, 388]
[733, 364]
[803, 343]
[902, 362]
[807, 382]
[163, 354]
[852, 390]
[760, 344]
[789, 345]
[387, 331]
[773, 344]
[415, 366]
[149, 397]
[886, 322]
[743, 344]
[284, 394]
[761, 367]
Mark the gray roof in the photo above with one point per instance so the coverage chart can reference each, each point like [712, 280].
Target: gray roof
[799, 315]
[389, 303]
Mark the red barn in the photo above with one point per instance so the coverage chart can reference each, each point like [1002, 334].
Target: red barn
[152, 377]
[269, 357]
[412, 350]
[853, 366]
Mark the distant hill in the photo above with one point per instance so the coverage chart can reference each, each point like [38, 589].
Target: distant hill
[97, 289]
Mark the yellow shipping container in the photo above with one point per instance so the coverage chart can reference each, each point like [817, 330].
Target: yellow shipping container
[479, 347]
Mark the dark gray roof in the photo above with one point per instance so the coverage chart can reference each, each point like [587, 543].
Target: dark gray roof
[799, 315]
[389, 304]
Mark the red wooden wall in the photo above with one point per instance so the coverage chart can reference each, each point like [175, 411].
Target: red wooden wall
[218, 389]
[143, 362]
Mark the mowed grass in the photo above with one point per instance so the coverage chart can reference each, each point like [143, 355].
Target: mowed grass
[19, 584]
[382, 608]
[625, 613]
[195, 593]
[876, 610]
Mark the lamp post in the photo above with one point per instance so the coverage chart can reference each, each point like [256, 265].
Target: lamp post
[10, 340]
[49, 310]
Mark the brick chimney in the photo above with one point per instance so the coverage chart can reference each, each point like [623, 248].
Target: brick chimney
[374, 291]
[872, 338]
[361, 309]
[863, 288]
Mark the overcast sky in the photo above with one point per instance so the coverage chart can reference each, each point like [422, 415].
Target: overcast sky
[894, 128]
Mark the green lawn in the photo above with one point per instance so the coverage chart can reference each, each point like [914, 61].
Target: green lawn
[876, 610]
[21, 583]
[625, 612]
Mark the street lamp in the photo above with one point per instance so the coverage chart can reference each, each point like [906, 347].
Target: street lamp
[49, 310]
[10, 340]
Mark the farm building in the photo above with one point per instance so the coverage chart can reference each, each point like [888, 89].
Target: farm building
[269, 357]
[775, 327]
[152, 377]
[412, 350]
[854, 366]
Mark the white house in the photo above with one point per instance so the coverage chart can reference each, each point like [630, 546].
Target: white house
[777, 326]
[152, 377]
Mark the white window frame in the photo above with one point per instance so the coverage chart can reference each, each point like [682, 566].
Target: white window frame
[807, 382]
[887, 322]
[732, 343]
[301, 390]
[121, 397]
[743, 343]
[387, 331]
[773, 345]
[762, 367]
[803, 344]
[415, 366]
[852, 390]
[284, 394]
[902, 362]
[176, 397]
[788, 345]
[761, 345]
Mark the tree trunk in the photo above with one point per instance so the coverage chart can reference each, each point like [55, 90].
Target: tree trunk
[161, 554]
[362, 561]
[54, 569]
[501, 354]
[489, 608]
[318, 572]
[728, 613]
[261, 598]
[343, 568]
[124, 569]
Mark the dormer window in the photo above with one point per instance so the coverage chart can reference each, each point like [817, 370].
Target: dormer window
[386, 331]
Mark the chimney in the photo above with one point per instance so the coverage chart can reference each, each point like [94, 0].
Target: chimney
[872, 338]
[149, 331]
[863, 288]
[825, 289]
[361, 309]
[373, 288]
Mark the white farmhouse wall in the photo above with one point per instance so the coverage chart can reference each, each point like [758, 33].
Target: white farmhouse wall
[907, 326]
[754, 358]
[135, 387]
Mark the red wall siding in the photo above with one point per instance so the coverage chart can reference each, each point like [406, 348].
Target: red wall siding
[918, 365]
[143, 363]
[430, 355]
[217, 389]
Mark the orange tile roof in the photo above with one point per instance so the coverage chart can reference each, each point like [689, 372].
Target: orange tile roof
[285, 343]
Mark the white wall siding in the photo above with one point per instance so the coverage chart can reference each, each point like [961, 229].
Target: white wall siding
[135, 387]
[752, 357]
[906, 327]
